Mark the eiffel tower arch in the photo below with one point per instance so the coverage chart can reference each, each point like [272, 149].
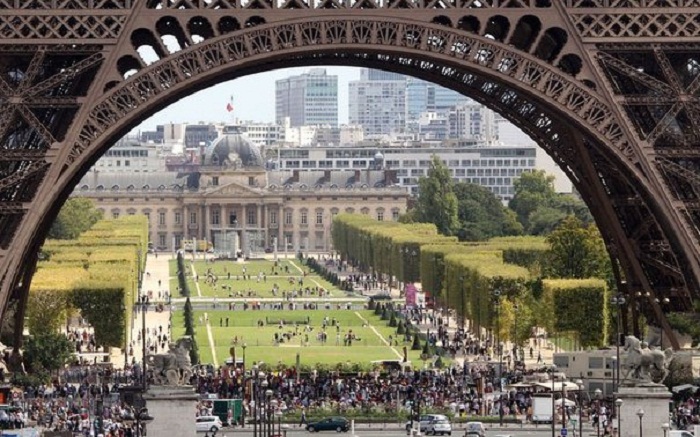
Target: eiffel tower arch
[609, 88]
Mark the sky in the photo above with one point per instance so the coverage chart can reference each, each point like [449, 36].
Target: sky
[253, 99]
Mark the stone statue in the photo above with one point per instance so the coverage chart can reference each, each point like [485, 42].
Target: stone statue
[641, 361]
[174, 367]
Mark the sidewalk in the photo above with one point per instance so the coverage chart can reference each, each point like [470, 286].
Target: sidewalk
[156, 270]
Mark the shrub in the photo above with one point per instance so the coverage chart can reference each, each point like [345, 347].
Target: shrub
[416, 343]
[392, 321]
[400, 330]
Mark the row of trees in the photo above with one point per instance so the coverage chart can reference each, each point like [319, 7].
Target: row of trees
[496, 285]
[473, 213]
[95, 275]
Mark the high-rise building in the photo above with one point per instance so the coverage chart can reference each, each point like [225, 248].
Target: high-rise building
[307, 99]
[379, 106]
[372, 74]
[422, 96]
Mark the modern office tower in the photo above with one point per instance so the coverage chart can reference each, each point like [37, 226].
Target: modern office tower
[307, 99]
[422, 96]
[379, 106]
[372, 74]
[473, 122]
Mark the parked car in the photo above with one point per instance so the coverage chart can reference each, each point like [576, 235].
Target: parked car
[209, 423]
[441, 427]
[338, 424]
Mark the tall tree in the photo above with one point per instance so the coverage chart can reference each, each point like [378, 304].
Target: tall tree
[532, 191]
[577, 251]
[481, 214]
[437, 202]
[48, 351]
[77, 215]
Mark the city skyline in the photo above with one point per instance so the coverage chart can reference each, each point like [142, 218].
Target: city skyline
[250, 100]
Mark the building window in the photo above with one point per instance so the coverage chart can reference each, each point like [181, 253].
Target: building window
[232, 219]
[251, 181]
[161, 218]
[193, 218]
[215, 217]
[148, 217]
[161, 240]
[115, 214]
[380, 216]
[319, 217]
[215, 181]
[288, 217]
[252, 217]
[304, 218]
[273, 217]
[178, 218]
[395, 215]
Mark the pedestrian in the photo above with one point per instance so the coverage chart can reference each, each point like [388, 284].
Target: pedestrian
[302, 422]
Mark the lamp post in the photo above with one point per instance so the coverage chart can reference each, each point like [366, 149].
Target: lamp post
[144, 308]
[579, 383]
[618, 300]
[618, 404]
[554, 416]
[598, 393]
[665, 427]
[663, 302]
[497, 306]
[140, 418]
[268, 409]
[243, 379]
[640, 414]
[515, 334]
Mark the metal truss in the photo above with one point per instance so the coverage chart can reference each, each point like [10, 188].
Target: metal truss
[608, 87]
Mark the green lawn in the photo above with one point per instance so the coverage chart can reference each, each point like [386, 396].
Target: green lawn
[230, 274]
[260, 344]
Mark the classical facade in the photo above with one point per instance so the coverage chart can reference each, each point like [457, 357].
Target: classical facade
[231, 201]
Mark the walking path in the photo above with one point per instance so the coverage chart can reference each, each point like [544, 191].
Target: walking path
[381, 337]
[211, 340]
[156, 278]
[196, 282]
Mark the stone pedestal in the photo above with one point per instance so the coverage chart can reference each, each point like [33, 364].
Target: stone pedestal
[173, 410]
[653, 399]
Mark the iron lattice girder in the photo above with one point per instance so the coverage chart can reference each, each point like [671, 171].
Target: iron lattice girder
[21, 155]
[427, 38]
[18, 176]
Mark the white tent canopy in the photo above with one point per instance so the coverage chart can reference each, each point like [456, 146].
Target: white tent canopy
[558, 386]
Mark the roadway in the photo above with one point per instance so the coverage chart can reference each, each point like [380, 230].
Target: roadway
[514, 431]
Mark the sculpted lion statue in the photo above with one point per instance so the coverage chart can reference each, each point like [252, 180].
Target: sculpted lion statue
[173, 367]
[641, 360]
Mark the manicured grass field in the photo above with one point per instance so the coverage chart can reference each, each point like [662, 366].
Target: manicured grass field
[253, 287]
[260, 344]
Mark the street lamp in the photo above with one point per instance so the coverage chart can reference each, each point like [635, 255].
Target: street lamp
[497, 305]
[618, 404]
[141, 419]
[579, 382]
[640, 414]
[598, 393]
[515, 334]
[268, 410]
[243, 379]
[663, 302]
[618, 300]
[554, 416]
[665, 427]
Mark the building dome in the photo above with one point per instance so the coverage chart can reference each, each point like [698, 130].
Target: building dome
[232, 149]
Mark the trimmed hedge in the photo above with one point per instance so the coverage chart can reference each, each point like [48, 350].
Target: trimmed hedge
[578, 306]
